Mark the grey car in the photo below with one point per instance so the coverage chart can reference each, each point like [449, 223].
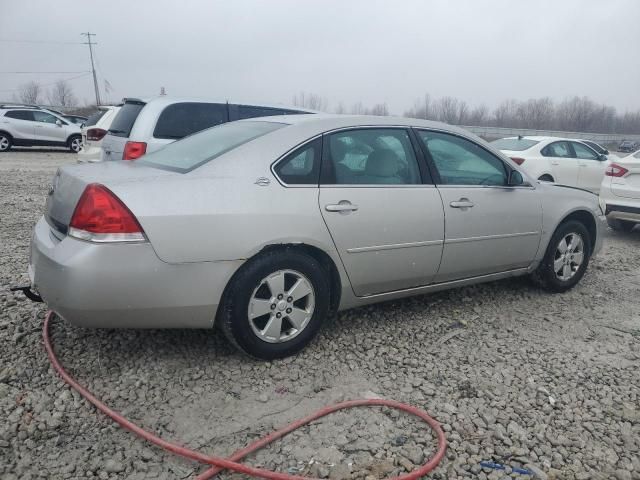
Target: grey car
[268, 226]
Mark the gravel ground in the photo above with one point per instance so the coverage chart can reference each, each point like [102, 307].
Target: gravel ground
[515, 375]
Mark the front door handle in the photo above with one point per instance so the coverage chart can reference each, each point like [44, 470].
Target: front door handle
[344, 206]
[555, 162]
[462, 203]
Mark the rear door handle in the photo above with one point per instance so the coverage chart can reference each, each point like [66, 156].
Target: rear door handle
[343, 206]
[462, 203]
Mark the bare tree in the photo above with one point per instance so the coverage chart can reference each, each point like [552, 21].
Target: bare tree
[311, 101]
[30, 93]
[379, 109]
[479, 115]
[505, 114]
[358, 109]
[447, 109]
[341, 108]
[61, 95]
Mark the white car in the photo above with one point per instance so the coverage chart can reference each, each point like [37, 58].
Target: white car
[620, 193]
[93, 131]
[33, 126]
[561, 160]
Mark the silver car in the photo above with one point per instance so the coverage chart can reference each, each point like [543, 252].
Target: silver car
[268, 226]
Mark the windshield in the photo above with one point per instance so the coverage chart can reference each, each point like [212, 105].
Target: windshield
[196, 150]
[514, 144]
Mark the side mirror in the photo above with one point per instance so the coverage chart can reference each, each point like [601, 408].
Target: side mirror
[515, 179]
[58, 123]
[603, 157]
[606, 151]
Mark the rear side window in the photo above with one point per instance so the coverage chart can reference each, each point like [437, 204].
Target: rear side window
[20, 115]
[198, 149]
[558, 149]
[182, 119]
[93, 119]
[126, 117]
[302, 166]
[250, 111]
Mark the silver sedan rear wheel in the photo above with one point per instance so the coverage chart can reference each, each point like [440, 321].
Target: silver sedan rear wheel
[281, 306]
[568, 257]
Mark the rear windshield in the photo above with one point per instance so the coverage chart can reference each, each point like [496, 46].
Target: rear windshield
[200, 148]
[514, 144]
[181, 119]
[126, 117]
[93, 119]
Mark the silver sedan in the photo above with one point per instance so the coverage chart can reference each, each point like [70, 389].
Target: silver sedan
[268, 226]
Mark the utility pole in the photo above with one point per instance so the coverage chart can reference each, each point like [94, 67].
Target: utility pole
[93, 68]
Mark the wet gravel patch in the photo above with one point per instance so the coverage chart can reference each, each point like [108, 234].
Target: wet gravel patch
[548, 384]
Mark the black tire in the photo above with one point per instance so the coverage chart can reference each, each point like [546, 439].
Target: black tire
[546, 178]
[71, 143]
[233, 317]
[620, 225]
[6, 142]
[545, 275]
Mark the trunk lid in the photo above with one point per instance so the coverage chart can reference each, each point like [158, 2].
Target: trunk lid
[70, 181]
[629, 185]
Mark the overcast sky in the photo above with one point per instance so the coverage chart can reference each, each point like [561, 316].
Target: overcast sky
[350, 51]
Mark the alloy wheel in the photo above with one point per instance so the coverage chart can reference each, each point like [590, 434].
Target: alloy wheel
[76, 144]
[281, 306]
[4, 143]
[568, 257]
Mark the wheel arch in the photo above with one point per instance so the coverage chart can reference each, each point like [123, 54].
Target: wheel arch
[73, 135]
[586, 218]
[6, 133]
[546, 174]
[322, 257]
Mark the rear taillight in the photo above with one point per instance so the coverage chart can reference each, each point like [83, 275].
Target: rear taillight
[615, 170]
[133, 150]
[518, 160]
[96, 134]
[100, 216]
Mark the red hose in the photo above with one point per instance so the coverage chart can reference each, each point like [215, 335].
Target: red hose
[219, 463]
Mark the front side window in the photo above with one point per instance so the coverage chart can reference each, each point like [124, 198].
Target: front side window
[584, 152]
[371, 156]
[196, 150]
[44, 117]
[182, 119]
[20, 115]
[302, 167]
[462, 162]
[557, 149]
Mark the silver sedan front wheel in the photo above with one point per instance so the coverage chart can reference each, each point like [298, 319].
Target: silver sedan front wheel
[281, 306]
[568, 257]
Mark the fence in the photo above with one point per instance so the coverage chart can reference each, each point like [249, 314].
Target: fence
[492, 133]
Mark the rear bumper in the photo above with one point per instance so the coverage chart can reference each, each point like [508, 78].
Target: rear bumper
[623, 212]
[124, 285]
[90, 155]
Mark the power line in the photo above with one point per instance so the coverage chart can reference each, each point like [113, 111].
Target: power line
[93, 68]
[82, 71]
[52, 83]
[9, 40]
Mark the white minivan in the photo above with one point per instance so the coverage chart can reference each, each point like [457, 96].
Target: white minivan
[143, 126]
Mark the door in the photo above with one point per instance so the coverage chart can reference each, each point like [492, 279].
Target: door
[564, 165]
[46, 128]
[590, 167]
[386, 223]
[22, 124]
[489, 226]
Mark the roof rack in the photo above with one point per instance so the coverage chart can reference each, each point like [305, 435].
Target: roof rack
[18, 105]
